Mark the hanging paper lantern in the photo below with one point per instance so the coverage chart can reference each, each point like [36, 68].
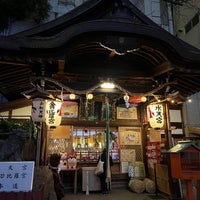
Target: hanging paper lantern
[143, 99]
[53, 112]
[38, 110]
[137, 99]
[155, 114]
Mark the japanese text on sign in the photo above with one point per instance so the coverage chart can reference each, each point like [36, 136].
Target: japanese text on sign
[155, 115]
[16, 176]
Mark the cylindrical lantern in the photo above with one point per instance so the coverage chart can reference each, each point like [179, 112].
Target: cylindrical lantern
[89, 96]
[72, 96]
[143, 99]
[137, 99]
[38, 110]
[53, 112]
[155, 114]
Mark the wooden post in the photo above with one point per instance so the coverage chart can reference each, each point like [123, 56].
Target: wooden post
[198, 190]
[108, 175]
[38, 148]
[189, 193]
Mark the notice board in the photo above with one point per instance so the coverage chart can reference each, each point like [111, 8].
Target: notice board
[16, 176]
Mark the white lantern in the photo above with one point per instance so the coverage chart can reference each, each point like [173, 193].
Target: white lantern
[53, 112]
[143, 99]
[72, 96]
[38, 110]
[155, 114]
[89, 96]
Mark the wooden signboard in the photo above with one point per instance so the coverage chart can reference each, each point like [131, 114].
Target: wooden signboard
[154, 135]
[16, 176]
[124, 113]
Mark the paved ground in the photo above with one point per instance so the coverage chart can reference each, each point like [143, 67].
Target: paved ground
[115, 194]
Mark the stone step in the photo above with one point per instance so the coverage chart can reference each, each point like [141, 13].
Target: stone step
[119, 184]
[120, 181]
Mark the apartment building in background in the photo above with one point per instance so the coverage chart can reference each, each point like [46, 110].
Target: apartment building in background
[186, 21]
[157, 10]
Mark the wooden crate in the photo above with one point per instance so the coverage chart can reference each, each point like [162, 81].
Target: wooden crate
[163, 186]
[162, 178]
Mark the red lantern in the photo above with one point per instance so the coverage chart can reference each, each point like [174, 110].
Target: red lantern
[137, 99]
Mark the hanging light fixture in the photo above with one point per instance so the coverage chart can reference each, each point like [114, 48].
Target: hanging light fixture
[48, 111]
[89, 96]
[143, 99]
[38, 110]
[107, 85]
[126, 99]
[72, 96]
[189, 100]
[155, 115]
[53, 115]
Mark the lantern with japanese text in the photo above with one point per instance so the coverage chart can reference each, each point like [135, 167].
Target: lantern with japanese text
[38, 110]
[53, 113]
[155, 114]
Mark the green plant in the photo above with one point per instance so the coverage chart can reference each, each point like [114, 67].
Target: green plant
[28, 125]
[12, 10]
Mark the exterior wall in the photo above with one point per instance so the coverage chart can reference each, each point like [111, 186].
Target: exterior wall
[138, 4]
[22, 113]
[184, 15]
[192, 111]
[152, 10]
[158, 11]
[191, 115]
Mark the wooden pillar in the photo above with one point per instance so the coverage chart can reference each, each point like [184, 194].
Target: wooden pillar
[38, 148]
[189, 193]
[198, 190]
[108, 173]
[168, 131]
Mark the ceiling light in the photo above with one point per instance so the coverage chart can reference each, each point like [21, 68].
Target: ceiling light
[189, 100]
[107, 85]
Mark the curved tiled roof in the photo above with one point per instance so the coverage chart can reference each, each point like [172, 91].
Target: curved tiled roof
[97, 40]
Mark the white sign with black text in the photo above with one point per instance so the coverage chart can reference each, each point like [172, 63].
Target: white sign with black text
[16, 176]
